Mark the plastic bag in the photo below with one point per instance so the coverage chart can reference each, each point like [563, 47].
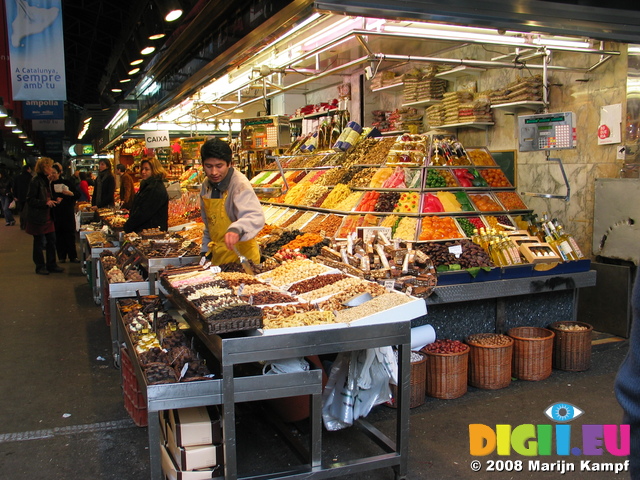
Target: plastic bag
[358, 381]
[12, 205]
[285, 365]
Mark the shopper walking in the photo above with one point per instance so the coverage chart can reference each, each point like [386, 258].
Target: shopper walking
[6, 197]
[105, 188]
[127, 192]
[40, 219]
[150, 207]
[64, 215]
[231, 211]
[20, 188]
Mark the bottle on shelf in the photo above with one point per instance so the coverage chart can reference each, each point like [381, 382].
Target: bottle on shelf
[577, 253]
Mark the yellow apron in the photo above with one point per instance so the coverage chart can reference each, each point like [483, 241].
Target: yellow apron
[219, 222]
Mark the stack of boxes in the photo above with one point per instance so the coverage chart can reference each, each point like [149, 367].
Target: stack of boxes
[192, 448]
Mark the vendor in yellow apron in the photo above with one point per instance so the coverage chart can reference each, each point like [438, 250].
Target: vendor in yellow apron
[219, 222]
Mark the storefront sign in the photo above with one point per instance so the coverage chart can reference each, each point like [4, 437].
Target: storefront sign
[157, 139]
[36, 50]
[47, 125]
[43, 109]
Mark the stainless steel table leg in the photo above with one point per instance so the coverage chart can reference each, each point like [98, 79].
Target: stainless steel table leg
[154, 445]
[229, 423]
[316, 430]
[402, 428]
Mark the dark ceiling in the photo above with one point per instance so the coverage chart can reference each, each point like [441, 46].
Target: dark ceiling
[101, 37]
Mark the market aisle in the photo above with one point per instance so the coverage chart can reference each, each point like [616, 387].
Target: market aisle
[57, 357]
[61, 401]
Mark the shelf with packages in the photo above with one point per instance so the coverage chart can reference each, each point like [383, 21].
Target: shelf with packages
[325, 113]
[247, 347]
[478, 125]
[460, 71]
[389, 88]
[423, 103]
[512, 107]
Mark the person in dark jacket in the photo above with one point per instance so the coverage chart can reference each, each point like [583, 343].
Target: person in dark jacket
[6, 197]
[105, 188]
[127, 192]
[627, 383]
[40, 219]
[64, 217]
[151, 204]
[20, 188]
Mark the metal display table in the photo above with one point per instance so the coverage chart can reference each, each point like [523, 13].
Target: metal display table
[229, 390]
[91, 261]
[500, 304]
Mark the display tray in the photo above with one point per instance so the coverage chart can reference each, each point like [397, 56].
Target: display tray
[401, 313]
[209, 326]
[573, 266]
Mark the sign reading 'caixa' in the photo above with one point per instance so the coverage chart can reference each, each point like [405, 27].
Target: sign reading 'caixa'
[43, 109]
[157, 139]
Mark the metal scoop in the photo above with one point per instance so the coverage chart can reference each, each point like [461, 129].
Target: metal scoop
[357, 300]
[243, 261]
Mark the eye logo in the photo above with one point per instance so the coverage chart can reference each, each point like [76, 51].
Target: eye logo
[562, 412]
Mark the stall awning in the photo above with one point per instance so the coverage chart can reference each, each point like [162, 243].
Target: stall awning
[620, 21]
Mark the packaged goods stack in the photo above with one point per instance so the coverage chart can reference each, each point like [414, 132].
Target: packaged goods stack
[384, 79]
[192, 446]
[436, 115]
[522, 90]
[453, 102]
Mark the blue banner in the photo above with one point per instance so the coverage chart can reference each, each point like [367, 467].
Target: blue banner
[43, 109]
[36, 49]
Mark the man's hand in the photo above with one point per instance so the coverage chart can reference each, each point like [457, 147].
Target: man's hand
[230, 239]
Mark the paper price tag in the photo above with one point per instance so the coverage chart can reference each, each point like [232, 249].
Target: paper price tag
[389, 284]
[203, 260]
[456, 250]
[184, 370]
[215, 269]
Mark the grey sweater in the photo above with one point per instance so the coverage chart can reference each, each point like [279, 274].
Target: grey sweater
[242, 207]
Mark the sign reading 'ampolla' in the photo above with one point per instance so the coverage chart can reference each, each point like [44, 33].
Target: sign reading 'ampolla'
[157, 139]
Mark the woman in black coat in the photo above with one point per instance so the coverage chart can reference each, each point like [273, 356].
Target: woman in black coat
[105, 186]
[40, 219]
[151, 204]
[64, 215]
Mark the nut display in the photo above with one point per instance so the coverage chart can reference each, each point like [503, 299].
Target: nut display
[489, 339]
[446, 347]
[316, 283]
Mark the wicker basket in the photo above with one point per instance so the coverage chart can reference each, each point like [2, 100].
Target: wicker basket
[489, 365]
[571, 348]
[532, 352]
[418, 380]
[447, 374]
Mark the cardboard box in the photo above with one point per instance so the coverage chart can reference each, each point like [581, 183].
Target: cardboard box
[539, 253]
[172, 472]
[195, 426]
[195, 457]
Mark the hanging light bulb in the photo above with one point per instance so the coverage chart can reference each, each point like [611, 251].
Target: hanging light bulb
[9, 121]
[171, 10]
[17, 130]
[3, 110]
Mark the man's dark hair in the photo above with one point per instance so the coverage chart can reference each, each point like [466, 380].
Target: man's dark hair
[121, 168]
[215, 148]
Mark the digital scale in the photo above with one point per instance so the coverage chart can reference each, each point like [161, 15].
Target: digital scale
[548, 131]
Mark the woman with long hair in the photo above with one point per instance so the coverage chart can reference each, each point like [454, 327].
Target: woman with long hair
[40, 219]
[103, 193]
[151, 204]
[64, 215]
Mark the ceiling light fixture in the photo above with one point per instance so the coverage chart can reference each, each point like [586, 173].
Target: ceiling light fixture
[23, 136]
[116, 90]
[171, 10]
[10, 121]
[125, 80]
[17, 130]
[133, 72]
[147, 50]
[3, 110]
[135, 62]
[157, 36]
